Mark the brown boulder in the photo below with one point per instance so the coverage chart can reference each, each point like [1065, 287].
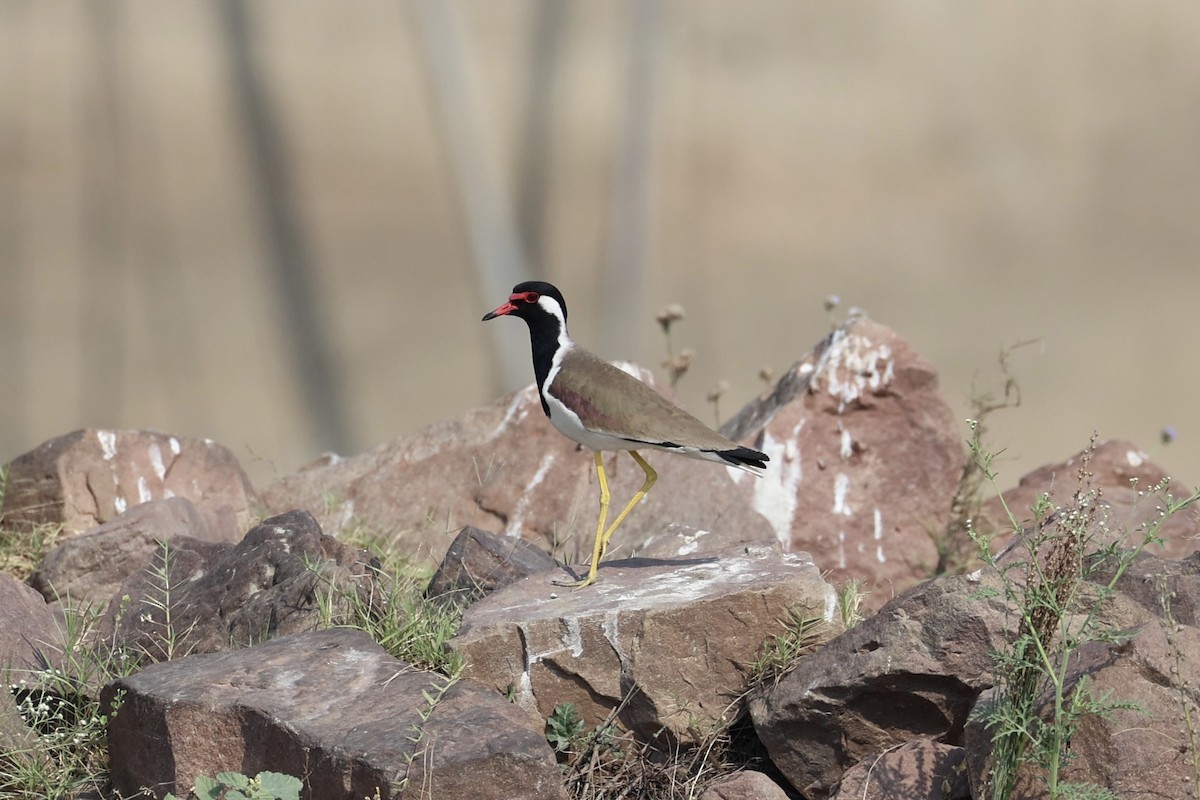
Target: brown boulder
[1124, 475]
[480, 562]
[332, 708]
[89, 477]
[1140, 753]
[913, 670]
[221, 596]
[31, 639]
[503, 467]
[1167, 588]
[865, 457]
[676, 640]
[89, 568]
[747, 785]
[919, 770]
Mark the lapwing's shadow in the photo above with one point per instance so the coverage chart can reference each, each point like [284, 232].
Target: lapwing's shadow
[635, 563]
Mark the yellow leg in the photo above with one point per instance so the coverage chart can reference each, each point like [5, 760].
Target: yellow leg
[602, 534]
[598, 545]
[651, 477]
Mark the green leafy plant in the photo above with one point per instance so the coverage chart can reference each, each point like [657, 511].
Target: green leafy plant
[236, 786]
[1037, 706]
[564, 727]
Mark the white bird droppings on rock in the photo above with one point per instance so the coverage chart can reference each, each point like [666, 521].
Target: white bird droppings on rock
[841, 488]
[879, 537]
[108, 444]
[691, 543]
[156, 461]
[775, 493]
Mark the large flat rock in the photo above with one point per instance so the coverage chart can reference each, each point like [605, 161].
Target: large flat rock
[673, 639]
[332, 708]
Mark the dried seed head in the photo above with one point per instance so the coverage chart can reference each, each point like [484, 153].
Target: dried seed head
[714, 394]
[670, 313]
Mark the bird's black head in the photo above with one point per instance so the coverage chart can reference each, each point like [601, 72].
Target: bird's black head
[532, 300]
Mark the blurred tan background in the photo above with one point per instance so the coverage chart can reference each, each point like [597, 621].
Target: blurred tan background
[277, 224]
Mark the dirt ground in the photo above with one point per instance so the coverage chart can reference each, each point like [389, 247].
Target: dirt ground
[972, 175]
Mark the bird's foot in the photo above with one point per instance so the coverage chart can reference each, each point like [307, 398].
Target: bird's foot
[588, 580]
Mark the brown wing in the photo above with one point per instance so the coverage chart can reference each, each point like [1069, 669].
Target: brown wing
[612, 401]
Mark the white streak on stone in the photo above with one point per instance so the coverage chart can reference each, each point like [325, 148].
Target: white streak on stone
[841, 488]
[174, 443]
[1135, 458]
[518, 516]
[119, 504]
[879, 556]
[853, 364]
[108, 444]
[841, 549]
[831, 603]
[611, 625]
[573, 641]
[847, 444]
[775, 493]
[156, 461]
[144, 493]
[526, 685]
[517, 404]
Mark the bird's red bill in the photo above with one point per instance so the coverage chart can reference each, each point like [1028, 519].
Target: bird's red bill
[510, 306]
[507, 308]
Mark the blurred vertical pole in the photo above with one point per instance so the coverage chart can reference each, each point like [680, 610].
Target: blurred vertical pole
[628, 240]
[14, 296]
[498, 257]
[550, 17]
[103, 270]
[293, 267]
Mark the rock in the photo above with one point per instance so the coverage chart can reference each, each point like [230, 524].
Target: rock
[31, 640]
[503, 467]
[1115, 466]
[1137, 754]
[674, 639]
[865, 457]
[479, 562]
[89, 477]
[223, 596]
[1167, 588]
[919, 770]
[30, 635]
[89, 568]
[913, 670]
[332, 708]
[747, 785]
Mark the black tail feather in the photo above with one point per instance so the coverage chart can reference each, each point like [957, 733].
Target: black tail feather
[744, 456]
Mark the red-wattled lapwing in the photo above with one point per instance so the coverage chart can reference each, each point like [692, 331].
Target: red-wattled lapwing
[603, 408]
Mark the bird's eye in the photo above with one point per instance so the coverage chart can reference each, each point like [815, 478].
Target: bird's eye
[531, 297]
